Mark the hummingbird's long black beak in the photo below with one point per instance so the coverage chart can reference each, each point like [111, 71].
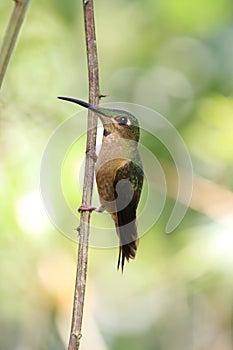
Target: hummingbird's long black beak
[81, 103]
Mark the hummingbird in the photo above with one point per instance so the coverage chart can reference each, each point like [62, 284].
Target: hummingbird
[119, 174]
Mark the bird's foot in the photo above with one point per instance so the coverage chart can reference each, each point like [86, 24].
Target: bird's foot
[86, 208]
[92, 154]
[100, 209]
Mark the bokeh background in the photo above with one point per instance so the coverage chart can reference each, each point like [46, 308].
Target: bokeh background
[177, 58]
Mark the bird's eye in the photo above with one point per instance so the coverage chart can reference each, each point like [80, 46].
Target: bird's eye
[122, 120]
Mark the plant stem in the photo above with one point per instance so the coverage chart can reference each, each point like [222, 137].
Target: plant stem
[11, 35]
[81, 273]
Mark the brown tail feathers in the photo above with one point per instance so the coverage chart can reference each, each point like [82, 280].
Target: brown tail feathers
[128, 243]
[126, 228]
[126, 251]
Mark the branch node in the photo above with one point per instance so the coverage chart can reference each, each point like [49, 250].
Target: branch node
[77, 335]
[92, 154]
[102, 95]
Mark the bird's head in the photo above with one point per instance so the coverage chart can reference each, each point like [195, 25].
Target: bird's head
[116, 122]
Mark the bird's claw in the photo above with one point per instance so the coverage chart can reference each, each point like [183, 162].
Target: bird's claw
[86, 208]
[100, 209]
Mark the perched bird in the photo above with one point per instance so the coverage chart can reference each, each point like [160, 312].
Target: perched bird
[119, 174]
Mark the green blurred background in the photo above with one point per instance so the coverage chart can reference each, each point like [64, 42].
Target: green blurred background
[177, 58]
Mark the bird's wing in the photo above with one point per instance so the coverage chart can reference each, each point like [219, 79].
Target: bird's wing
[127, 184]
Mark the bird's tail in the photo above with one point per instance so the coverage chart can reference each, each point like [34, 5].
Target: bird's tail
[128, 243]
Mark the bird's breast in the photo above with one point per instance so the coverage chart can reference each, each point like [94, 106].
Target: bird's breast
[105, 176]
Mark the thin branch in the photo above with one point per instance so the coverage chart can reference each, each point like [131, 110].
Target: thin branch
[81, 273]
[11, 35]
